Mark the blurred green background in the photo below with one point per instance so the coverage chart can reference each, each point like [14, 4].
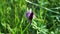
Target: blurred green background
[13, 18]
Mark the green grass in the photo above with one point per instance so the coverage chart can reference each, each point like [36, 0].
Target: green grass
[13, 18]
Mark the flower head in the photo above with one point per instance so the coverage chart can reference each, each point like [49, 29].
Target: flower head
[29, 14]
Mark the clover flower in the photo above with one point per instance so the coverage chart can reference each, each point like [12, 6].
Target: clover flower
[29, 14]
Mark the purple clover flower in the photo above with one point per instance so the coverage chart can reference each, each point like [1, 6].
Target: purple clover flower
[29, 15]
